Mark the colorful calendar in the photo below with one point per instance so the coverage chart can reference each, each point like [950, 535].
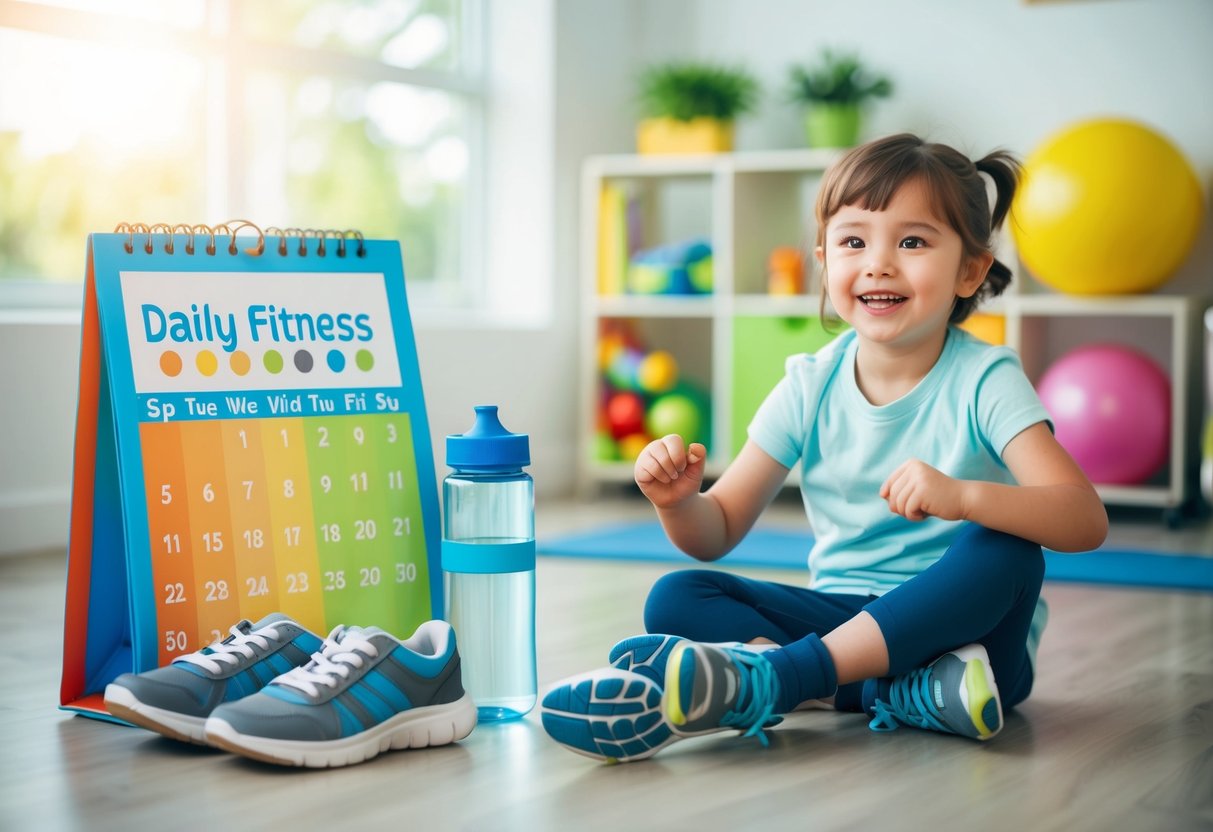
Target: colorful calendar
[251, 438]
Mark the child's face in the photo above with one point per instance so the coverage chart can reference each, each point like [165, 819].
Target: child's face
[894, 274]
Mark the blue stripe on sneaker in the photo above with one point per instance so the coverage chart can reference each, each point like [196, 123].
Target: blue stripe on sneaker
[349, 723]
[371, 702]
[391, 694]
[363, 716]
[241, 685]
[278, 663]
[260, 675]
[308, 643]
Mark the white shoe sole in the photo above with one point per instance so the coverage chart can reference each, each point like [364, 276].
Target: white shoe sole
[123, 704]
[415, 728]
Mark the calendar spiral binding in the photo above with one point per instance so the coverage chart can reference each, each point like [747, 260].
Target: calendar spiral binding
[193, 234]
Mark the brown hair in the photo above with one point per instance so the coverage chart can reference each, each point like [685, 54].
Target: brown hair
[871, 174]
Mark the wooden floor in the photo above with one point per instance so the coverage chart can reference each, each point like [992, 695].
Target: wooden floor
[1118, 735]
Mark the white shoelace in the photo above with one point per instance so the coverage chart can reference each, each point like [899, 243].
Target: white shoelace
[332, 664]
[229, 652]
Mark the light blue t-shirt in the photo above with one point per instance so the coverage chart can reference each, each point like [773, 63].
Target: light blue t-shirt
[958, 419]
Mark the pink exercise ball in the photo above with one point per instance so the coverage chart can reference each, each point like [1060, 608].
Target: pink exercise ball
[1111, 408]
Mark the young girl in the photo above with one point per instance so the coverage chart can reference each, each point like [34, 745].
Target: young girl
[929, 473]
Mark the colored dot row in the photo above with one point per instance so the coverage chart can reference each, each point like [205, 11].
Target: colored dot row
[171, 363]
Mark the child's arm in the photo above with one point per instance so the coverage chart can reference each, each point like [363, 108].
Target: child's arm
[1053, 504]
[706, 525]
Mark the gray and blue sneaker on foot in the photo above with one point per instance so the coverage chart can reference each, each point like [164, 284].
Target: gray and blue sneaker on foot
[364, 692]
[612, 715]
[615, 714]
[955, 694]
[646, 654]
[710, 688]
[176, 699]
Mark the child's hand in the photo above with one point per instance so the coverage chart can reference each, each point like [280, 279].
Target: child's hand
[917, 491]
[668, 473]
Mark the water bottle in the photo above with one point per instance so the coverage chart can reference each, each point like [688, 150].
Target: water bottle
[488, 557]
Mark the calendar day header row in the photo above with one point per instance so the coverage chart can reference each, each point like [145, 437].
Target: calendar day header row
[209, 332]
[258, 404]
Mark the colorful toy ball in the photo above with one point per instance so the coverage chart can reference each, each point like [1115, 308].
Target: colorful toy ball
[676, 413]
[1106, 206]
[625, 414]
[609, 346]
[606, 449]
[631, 445]
[624, 368]
[989, 328]
[657, 373]
[1111, 409]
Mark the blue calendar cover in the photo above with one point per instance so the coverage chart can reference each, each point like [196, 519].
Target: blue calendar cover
[251, 438]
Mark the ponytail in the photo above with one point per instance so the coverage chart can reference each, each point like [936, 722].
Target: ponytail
[1003, 170]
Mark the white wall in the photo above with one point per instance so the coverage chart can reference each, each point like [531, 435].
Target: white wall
[38, 373]
[979, 75]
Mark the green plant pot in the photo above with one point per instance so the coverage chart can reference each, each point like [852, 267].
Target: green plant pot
[832, 125]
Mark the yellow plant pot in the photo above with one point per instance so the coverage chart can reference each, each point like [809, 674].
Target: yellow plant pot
[699, 135]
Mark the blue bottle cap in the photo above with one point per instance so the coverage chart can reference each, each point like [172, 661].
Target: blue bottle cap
[488, 446]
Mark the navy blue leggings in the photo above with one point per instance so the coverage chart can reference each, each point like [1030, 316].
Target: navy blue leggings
[984, 589]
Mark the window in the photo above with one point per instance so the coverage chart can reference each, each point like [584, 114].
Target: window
[334, 114]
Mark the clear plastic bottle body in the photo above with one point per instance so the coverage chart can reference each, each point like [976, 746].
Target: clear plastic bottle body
[493, 612]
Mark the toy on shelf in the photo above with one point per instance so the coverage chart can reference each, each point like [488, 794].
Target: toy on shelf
[1107, 206]
[989, 327]
[1111, 409]
[683, 268]
[681, 412]
[657, 372]
[620, 234]
[642, 397]
[625, 414]
[785, 271]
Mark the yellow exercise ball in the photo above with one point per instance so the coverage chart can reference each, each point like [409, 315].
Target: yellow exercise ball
[1106, 206]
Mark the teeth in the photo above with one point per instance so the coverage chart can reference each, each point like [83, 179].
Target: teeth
[882, 297]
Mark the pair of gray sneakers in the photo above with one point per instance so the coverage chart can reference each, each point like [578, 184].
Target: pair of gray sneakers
[275, 692]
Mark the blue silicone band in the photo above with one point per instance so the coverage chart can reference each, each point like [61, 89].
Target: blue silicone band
[488, 558]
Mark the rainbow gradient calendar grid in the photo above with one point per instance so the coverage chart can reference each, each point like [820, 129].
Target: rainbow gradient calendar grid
[317, 517]
[276, 422]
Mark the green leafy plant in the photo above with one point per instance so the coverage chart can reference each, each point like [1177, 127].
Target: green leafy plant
[685, 91]
[839, 78]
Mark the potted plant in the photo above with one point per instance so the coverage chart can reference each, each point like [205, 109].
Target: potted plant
[834, 91]
[691, 107]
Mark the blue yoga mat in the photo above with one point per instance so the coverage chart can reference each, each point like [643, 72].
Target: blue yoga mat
[780, 549]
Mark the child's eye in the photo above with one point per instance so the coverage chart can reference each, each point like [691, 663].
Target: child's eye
[913, 242]
[852, 242]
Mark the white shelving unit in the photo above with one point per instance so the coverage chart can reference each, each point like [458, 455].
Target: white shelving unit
[1040, 327]
[748, 203]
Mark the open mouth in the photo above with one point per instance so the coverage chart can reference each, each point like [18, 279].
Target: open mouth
[881, 301]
